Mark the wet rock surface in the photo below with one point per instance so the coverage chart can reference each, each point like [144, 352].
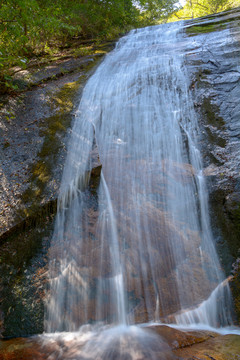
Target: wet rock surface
[155, 342]
[225, 347]
[213, 62]
[33, 148]
[35, 127]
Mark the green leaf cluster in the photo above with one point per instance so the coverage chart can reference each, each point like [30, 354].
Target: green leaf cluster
[197, 8]
[156, 10]
[32, 27]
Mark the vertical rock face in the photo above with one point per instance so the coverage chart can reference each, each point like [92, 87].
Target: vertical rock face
[211, 50]
[33, 150]
[213, 60]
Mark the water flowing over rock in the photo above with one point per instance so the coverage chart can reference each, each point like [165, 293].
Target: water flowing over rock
[133, 268]
[139, 248]
[124, 343]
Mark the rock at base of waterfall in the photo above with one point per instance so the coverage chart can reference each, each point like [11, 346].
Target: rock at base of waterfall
[159, 342]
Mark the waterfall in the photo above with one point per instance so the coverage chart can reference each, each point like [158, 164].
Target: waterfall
[139, 248]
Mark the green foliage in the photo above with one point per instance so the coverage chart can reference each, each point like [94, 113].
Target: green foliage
[155, 10]
[32, 27]
[197, 8]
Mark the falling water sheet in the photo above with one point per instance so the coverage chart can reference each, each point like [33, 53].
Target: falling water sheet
[138, 249]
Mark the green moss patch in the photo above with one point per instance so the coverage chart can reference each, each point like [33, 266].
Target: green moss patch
[203, 29]
[211, 112]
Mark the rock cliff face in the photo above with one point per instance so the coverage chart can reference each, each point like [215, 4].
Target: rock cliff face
[213, 59]
[212, 52]
[34, 127]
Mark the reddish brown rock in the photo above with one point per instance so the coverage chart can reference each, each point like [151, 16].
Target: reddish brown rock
[225, 347]
[172, 344]
[178, 171]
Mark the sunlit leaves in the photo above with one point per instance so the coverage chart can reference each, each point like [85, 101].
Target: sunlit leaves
[153, 10]
[198, 8]
[31, 27]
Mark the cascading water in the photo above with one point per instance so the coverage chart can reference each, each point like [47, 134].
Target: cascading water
[139, 248]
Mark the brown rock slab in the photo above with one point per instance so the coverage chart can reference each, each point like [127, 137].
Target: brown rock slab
[225, 347]
[21, 349]
[171, 344]
[178, 339]
[181, 172]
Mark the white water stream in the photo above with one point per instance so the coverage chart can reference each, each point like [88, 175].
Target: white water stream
[140, 248]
